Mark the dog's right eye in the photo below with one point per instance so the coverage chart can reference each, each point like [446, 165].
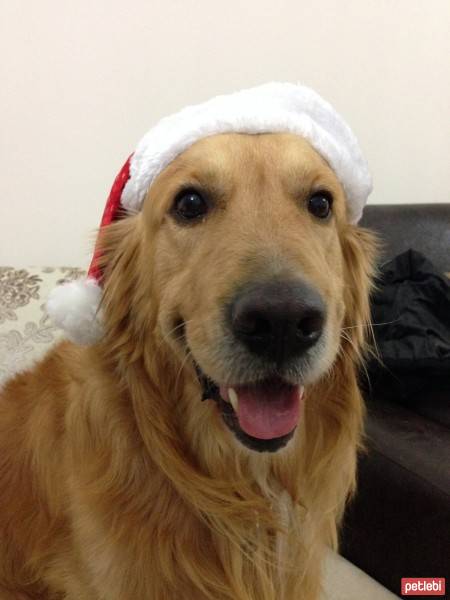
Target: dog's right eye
[189, 205]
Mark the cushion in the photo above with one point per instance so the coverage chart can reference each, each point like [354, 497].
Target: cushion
[25, 330]
[424, 227]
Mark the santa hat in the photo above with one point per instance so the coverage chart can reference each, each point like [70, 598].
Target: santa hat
[269, 108]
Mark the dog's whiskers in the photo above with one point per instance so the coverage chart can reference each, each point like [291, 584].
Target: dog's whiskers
[369, 325]
[183, 364]
[347, 338]
[172, 331]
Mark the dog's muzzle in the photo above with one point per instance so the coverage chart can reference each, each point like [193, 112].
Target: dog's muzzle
[253, 411]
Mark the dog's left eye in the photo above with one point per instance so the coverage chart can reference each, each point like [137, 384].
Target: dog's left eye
[319, 204]
[189, 205]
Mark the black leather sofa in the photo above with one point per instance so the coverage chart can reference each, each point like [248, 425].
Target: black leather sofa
[398, 524]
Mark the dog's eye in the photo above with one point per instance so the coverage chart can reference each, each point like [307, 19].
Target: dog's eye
[319, 204]
[189, 205]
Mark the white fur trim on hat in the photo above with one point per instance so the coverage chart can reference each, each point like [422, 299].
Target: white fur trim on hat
[268, 108]
[74, 307]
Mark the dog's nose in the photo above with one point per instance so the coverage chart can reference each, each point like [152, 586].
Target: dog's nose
[279, 320]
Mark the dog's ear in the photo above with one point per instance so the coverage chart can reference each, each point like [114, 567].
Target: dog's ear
[120, 260]
[360, 249]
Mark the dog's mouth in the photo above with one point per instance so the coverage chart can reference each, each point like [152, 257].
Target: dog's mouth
[263, 415]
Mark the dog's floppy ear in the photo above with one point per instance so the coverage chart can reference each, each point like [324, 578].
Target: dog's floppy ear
[360, 249]
[124, 286]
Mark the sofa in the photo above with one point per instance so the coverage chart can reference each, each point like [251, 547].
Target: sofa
[398, 524]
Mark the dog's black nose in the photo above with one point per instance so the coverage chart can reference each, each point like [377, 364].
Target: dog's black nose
[279, 320]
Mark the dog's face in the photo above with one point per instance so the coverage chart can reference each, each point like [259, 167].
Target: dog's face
[249, 273]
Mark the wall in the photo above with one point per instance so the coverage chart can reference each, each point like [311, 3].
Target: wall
[82, 81]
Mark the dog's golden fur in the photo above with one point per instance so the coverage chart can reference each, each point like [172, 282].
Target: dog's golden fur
[116, 482]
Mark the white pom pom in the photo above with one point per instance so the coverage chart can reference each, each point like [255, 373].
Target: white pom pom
[74, 307]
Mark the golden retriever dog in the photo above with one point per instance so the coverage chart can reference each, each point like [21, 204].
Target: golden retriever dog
[205, 447]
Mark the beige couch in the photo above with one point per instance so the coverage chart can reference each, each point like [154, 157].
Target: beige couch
[25, 330]
[26, 334]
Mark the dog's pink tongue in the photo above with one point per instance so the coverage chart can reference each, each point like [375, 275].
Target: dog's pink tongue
[268, 410]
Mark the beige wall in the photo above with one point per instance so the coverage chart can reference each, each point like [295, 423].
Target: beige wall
[81, 81]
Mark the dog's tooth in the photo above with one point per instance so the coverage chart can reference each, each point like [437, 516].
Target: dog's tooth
[234, 400]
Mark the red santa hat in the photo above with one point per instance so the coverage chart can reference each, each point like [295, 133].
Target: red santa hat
[269, 108]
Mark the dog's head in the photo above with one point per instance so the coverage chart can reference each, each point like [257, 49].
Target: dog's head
[247, 272]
